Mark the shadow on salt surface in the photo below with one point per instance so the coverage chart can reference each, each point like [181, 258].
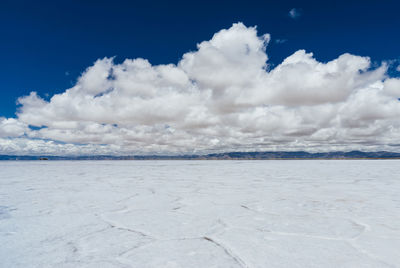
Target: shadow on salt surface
[5, 212]
[269, 249]
[387, 248]
[191, 252]
[107, 245]
[164, 225]
[308, 225]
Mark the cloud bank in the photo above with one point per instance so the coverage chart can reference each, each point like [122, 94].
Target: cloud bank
[222, 97]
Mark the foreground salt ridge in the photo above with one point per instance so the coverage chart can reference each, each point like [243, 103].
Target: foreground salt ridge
[200, 214]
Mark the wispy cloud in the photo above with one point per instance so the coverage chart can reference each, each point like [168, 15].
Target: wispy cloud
[280, 41]
[295, 13]
[224, 96]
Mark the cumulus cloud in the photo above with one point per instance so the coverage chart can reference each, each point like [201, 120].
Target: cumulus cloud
[295, 13]
[223, 96]
[11, 127]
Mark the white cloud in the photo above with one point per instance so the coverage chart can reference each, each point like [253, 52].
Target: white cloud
[295, 13]
[222, 97]
[11, 127]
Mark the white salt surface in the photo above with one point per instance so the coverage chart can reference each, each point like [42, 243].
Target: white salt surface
[200, 213]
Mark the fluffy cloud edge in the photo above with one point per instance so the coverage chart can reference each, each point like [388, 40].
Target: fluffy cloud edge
[222, 97]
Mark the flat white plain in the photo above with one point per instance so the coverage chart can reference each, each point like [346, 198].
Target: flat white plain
[305, 213]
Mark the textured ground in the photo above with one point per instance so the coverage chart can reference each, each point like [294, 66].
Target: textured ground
[200, 213]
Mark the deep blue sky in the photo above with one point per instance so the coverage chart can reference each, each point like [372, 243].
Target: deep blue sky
[45, 45]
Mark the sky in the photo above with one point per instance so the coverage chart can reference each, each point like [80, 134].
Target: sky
[127, 77]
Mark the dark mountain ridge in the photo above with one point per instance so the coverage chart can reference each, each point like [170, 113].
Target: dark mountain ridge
[221, 156]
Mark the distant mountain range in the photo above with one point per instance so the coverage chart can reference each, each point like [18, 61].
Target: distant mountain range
[221, 156]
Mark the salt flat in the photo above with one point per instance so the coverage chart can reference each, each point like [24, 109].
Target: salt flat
[305, 213]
